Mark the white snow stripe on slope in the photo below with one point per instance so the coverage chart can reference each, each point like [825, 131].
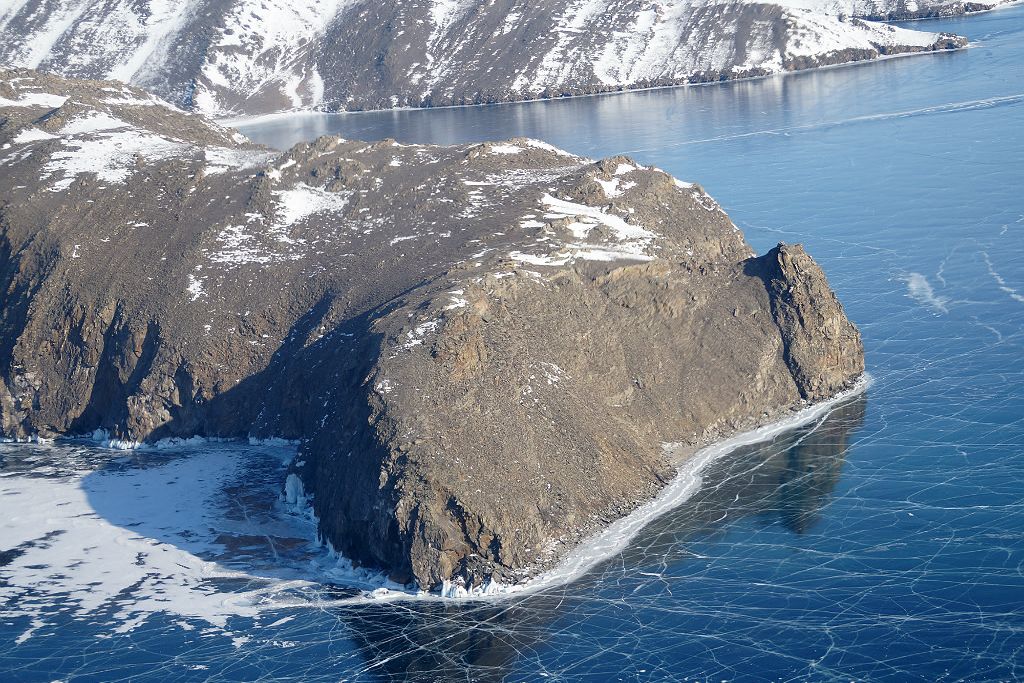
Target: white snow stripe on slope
[267, 42]
[162, 24]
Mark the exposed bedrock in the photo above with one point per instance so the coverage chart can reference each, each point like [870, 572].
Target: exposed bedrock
[482, 348]
[537, 412]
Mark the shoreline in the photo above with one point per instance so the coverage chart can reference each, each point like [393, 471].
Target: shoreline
[373, 586]
[608, 541]
[261, 119]
[994, 8]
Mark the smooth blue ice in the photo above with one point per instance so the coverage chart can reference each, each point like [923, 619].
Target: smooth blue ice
[884, 543]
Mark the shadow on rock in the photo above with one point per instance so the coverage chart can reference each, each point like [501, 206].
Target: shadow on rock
[784, 481]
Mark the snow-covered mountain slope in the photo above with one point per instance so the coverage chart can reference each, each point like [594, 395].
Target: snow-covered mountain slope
[897, 10]
[227, 57]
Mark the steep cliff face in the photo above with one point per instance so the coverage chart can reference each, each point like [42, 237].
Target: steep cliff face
[250, 57]
[482, 347]
[817, 338]
[536, 407]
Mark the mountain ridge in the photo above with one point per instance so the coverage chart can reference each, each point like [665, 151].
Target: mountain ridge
[245, 57]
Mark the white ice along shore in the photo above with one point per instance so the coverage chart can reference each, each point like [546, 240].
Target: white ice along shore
[120, 540]
[616, 536]
[140, 535]
[196, 531]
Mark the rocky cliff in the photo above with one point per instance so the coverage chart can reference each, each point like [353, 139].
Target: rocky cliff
[482, 348]
[233, 57]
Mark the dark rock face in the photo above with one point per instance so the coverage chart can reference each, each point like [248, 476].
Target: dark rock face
[821, 347]
[482, 347]
[236, 57]
[789, 482]
[539, 410]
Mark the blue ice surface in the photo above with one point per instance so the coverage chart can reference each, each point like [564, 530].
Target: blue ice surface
[883, 543]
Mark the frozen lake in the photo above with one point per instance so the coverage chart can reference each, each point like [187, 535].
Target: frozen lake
[882, 542]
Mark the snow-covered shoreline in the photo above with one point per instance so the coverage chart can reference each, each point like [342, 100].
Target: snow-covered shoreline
[242, 122]
[196, 598]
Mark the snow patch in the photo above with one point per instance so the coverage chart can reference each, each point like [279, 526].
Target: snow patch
[414, 337]
[32, 135]
[456, 299]
[540, 144]
[93, 122]
[302, 201]
[111, 156]
[505, 149]
[195, 287]
[919, 289]
[223, 159]
[35, 99]
[614, 188]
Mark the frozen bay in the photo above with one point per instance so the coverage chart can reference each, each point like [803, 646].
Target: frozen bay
[882, 543]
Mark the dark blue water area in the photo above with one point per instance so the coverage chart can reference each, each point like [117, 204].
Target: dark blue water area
[884, 542]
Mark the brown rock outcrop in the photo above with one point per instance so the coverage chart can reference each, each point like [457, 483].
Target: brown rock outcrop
[482, 348]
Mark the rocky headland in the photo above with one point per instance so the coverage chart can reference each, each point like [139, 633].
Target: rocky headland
[481, 348]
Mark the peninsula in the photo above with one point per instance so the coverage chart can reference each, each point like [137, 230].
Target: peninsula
[481, 348]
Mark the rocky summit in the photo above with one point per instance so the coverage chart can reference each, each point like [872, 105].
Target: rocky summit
[244, 57]
[482, 349]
